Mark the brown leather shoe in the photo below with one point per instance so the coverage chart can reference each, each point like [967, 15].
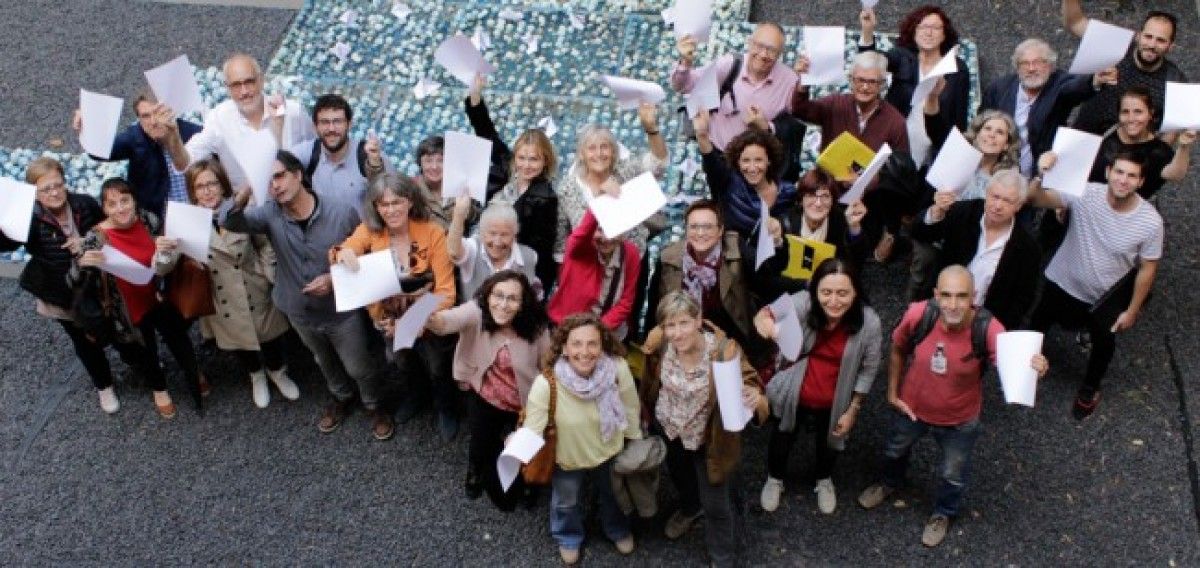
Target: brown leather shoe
[382, 426]
[333, 415]
[167, 411]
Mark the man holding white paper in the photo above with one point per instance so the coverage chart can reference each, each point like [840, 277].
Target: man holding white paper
[145, 144]
[756, 78]
[941, 349]
[1145, 65]
[302, 228]
[240, 118]
[1102, 274]
[337, 163]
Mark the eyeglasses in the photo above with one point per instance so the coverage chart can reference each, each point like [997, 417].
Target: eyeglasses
[504, 299]
[52, 188]
[393, 204]
[873, 83]
[819, 197]
[208, 185]
[703, 227]
[243, 84]
[760, 47]
[930, 28]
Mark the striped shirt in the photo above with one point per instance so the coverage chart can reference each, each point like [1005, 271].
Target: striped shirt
[1103, 245]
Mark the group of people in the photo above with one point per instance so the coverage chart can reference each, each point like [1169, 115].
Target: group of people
[538, 305]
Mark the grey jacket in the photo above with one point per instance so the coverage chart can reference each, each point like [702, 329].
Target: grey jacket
[302, 254]
[860, 362]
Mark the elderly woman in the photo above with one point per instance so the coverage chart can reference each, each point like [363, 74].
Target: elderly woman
[679, 389]
[502, 334]
[60, 219]
[522, 176]
[399, 221]
[137, 312]
[599, 275]
[821, 392]
[596, 410]
[926, 36]
[994, 134]
[598, 169]
[746, 176]
[242, 270]
[494, 249]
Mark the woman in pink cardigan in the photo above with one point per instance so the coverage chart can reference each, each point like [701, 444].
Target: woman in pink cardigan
[599, 275]
[502, 333]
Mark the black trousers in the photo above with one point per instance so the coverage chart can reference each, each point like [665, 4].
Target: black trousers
[91, 355]
[166, 321]
[489, 426]
[1057, 306]
[427, 368]
[270, 353]
[779, 444]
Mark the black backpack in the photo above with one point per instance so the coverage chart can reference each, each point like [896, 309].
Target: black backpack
[315, 157]
[979, 327]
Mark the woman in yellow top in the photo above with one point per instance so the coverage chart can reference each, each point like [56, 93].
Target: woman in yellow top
[597, 409]
[398, 220]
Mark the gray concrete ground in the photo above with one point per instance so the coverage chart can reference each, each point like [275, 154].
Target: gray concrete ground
[252, 486]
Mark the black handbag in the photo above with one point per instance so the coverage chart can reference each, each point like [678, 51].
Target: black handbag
[92, 309]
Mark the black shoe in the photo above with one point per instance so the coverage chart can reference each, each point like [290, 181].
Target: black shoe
[447, 425]
[409, 409]
[1085, 403]
[529, 499]
[473, 486]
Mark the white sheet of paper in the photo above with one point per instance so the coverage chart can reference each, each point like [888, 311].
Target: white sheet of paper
[864, 177]
[522, 446]
[955, 165]
[632, 92]
[692, 18]
[192, 225]
[791, 335]
[175, 86]
[1014, 350]
[1076, 151]
[548, 126]
[375, 280]
[1103, 46]
[16, 208]
[101, 115]
[255, 154]
[766, 245]
[425, 87]
[120, 265]
[868, 4]
[947, 65]
[727, 377]
[826, 49]
[919, 142]
[706, 92]
[640, 198]
[465, 163]
[460, 58]
[412, 323]
[1181, 112]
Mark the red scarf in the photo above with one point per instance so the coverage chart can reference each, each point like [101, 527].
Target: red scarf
[136, 242]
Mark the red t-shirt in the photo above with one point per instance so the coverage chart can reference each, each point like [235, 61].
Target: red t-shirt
[946, 399]
[824, 363]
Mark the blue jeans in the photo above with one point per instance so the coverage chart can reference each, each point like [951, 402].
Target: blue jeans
[566, 512]
[955, 443]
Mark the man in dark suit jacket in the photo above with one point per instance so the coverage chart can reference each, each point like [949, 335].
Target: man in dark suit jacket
[982, 235]
[150, 172]
[1048, 93]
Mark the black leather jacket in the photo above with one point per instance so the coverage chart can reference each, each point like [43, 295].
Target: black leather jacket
[46, 274]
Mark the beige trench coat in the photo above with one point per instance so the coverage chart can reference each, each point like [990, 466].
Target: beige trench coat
[242, 268]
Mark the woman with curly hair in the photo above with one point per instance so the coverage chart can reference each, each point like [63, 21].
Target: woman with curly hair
[747, 175]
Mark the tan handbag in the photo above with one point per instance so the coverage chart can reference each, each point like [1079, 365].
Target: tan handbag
[189, 289]
[541, 467]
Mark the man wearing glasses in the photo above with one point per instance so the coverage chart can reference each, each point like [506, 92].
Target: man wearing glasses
[862, 112]
[245, 113]
[339, 164]
[761, 90]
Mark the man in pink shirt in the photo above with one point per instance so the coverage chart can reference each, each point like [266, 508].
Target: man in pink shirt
[941, 393]
[762, 90]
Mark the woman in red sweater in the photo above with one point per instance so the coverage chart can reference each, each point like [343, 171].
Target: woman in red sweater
[599, 275]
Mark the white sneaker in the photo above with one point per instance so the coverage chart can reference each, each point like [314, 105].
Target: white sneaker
[259, 389]
[108, 400]
[286, 386]
[826, 496]
[771, 492]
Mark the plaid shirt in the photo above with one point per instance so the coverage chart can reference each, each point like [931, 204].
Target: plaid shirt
[177, 191]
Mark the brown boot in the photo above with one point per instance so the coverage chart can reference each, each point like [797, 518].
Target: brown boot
[332, 416]
[382, 426]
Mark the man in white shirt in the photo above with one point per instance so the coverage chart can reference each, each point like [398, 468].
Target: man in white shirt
[1109, 258]
[246, 113]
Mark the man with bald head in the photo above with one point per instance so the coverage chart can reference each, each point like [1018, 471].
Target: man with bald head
[761, 90]
[938, 349]
[246, 112]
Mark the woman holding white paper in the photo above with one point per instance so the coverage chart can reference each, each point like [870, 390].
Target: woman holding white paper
[599, 169]
[1133, 134]
[995, 135]
[242, 269]
[746, 175]
[398, 220]
[597, 409]
[679, 389]
[136, 310]
[822, 392]
[502, 334]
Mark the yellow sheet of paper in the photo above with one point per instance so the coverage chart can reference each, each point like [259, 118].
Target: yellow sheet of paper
[805, 255]
[844, 156]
